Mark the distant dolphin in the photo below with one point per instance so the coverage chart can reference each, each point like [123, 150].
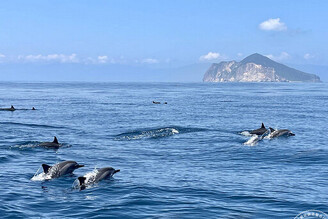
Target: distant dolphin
[101, 174]
[279, 132]
[60, 169]
[53, 144]
[154, 102]
[259, 131]
[33, 108]
[12, 108]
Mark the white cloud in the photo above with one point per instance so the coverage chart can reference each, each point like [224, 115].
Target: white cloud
[150, 61]
[50, 58]
[2, 56]
[211, 56]
[273, 24]
[239, 54]
[281, 57]
[102, 59]
[308, 56]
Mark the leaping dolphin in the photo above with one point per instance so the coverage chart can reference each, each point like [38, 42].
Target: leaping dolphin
[12, 108]
[101, 174]
[60, 169]
[53, 144]
[259, 131]
[279, 132]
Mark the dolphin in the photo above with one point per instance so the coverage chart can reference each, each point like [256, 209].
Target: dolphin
[154, 102]
[53, 144]
[279, 132]
[259, 131]
[60, 169]
[12, 108]
[101, 174]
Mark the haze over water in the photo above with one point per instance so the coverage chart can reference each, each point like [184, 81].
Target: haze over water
[184, 159]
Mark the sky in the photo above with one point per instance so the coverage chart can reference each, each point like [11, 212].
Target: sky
[160, 34]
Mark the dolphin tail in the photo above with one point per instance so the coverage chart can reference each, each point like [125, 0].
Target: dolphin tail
[46, 168]
[263, 127]
[55, 140]
[81, 180]
[115, 171]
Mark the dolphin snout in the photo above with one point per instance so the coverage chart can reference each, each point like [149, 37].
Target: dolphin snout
[116, 171]
[291, 134]
[79, 166]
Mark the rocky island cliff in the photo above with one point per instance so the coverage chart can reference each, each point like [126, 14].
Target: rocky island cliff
[256, 68]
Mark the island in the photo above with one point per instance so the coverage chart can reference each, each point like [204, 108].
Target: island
[256, 68]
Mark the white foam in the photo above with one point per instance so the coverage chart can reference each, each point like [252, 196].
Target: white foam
[43, 176]
[252, 141]
[246, 133]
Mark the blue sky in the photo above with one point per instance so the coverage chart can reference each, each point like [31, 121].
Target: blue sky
[162, 33]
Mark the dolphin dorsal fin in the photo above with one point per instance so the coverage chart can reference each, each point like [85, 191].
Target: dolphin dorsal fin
[271, 129]
[262, 127]
[55, 140]
[81, 180]
[46, 168]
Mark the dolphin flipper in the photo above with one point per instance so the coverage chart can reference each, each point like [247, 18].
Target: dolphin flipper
[46, 168]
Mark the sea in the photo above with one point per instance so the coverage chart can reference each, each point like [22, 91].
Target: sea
[183, 159]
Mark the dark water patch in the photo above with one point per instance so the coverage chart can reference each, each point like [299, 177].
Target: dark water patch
[31, 125]
[156, 133]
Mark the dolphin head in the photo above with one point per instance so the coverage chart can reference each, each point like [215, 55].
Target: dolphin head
[291, 134]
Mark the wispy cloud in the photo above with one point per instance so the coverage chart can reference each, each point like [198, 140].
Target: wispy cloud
[308, 56]
[102, 59]
[273, 24]
[283, 56]
[150, 61]
[211, 56]
[62, 58]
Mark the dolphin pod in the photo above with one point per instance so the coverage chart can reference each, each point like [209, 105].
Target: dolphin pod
[270, 133]
[12, 108]
[60, 169]
[101, 174]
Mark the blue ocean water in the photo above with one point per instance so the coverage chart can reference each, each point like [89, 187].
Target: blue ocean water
[185, 159]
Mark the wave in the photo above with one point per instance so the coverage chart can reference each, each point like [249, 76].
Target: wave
[155, 133]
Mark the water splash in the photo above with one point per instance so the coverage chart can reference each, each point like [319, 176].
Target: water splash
[253, 140]
[155, 133]
[53, 173]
